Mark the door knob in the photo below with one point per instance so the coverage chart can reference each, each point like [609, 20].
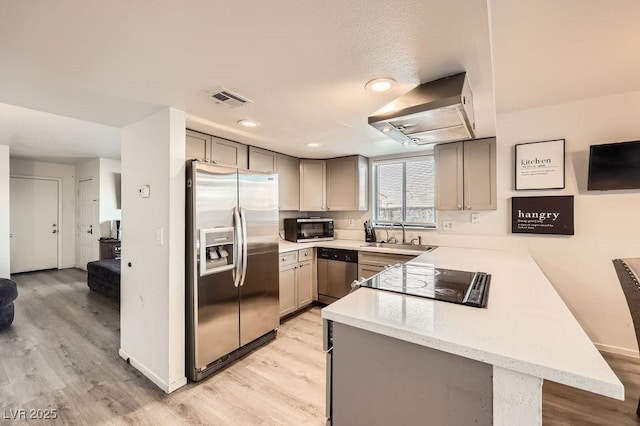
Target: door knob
[90, 231]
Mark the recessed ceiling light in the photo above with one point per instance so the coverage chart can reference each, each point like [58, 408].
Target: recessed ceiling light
[380, 84]
[386, 129]
[313, 145]
[249, 123]
[405, 143]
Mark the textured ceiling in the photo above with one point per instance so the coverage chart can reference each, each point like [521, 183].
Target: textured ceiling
[304, 64]
[548, 52]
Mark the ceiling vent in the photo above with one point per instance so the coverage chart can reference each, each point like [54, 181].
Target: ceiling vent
[227, 97]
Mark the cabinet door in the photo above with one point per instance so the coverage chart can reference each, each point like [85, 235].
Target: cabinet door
[347, 182]
[288, 169]
[288, 289]
[367, 271]
[261, 160]
[480, 175]
[229, 153]
[198, 146]
[449, 183]
[305, 284]
[313, 177]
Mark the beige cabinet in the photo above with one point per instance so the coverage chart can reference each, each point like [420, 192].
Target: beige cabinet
[288, 169]
[313, 178]
[198, 146]
[370, 263]
[348, 183]
[229, 153]
[466, 175]
[262, 160]
[287, 289]
[296, 280]
[304, 276]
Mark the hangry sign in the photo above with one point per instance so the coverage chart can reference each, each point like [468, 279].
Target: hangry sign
[542, 215]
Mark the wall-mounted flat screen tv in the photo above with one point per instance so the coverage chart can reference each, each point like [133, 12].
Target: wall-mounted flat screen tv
[614, 166]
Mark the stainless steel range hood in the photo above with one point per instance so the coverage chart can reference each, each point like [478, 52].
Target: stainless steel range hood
[434, 112]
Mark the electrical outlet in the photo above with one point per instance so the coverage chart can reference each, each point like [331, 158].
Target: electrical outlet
[350, 223]
[144, 191]
[448, 225]
[475, 217]
[160, 236]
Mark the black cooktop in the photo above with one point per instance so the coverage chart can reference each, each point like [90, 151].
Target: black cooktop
[462, 287]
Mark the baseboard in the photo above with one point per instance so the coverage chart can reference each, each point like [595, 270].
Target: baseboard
[167, 388]
[617, 350]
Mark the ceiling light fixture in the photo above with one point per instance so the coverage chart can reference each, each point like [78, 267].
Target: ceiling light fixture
[249, 123]
[380, 84]
[313, 145]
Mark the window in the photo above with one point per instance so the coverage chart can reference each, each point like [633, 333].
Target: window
[404, 191]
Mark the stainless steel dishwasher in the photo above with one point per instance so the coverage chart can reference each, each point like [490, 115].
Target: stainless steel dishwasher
[337, 269]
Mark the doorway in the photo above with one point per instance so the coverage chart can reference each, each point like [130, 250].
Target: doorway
[34, 219]
[86, 237]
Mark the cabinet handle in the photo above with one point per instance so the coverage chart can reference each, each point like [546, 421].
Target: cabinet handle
[459, 207]
[468, 206]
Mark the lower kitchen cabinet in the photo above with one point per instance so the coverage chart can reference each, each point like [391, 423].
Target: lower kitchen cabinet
[296, 280]
[370, 263]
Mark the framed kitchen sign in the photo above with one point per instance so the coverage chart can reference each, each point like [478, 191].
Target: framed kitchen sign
[540, 165]
[542, 215]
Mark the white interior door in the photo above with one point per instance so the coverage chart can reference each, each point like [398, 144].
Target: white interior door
[86, 234]
[34, 224]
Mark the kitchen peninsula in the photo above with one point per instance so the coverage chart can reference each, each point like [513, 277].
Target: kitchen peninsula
[398, 355]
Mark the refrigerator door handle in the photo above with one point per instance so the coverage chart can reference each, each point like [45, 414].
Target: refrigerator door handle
[244, 245]
[237, 224]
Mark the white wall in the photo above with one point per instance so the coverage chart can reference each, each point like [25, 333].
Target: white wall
[5, 246]
[67, 223]
[606, 223]
[152, 297]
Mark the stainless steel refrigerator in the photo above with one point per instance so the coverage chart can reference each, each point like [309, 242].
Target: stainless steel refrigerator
[232, 264]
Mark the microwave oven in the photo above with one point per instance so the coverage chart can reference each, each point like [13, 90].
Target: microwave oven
[300, 230]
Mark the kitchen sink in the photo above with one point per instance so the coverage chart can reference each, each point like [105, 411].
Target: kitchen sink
[400, 246]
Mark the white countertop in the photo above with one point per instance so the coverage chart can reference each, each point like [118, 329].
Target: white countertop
[526, 326]
[287, 246]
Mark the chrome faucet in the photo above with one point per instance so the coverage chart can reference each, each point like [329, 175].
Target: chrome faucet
[418, 239]
[404, 238]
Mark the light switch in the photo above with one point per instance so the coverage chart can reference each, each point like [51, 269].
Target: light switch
[144, 191]
[448, 225]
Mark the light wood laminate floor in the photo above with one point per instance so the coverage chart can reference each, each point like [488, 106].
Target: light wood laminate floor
[62, 353]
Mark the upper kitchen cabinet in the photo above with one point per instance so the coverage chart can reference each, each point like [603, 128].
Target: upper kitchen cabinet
[229, 153]
[466, 175]
[288, 169]
[198, 146]
[313, 178]
[261, 160]
[347, 183]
